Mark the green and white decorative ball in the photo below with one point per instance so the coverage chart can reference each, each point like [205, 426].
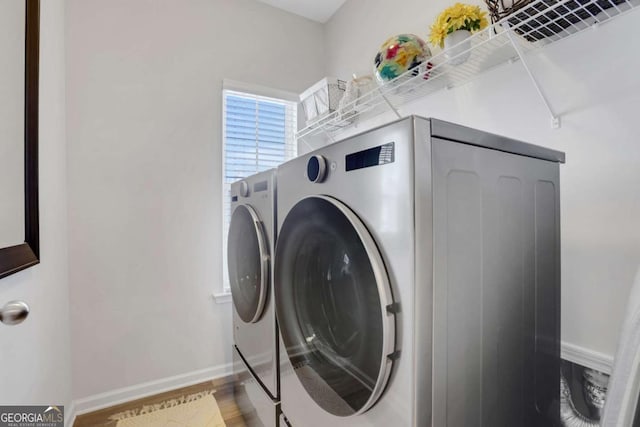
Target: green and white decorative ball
[399, 54]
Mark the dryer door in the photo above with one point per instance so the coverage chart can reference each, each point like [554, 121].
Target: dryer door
[334, 306]
[248, 262]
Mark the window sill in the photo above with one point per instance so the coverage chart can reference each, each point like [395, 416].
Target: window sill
[222, 298]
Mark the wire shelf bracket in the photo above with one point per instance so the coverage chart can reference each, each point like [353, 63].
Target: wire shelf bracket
[390, 105]
[555, 119]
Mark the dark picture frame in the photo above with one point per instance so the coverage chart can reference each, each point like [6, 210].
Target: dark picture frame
[20, 257]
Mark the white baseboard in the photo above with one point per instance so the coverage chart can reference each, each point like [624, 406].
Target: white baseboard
[127, 394]
[587, 358]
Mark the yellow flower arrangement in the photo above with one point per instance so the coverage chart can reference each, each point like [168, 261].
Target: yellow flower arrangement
[457, 17]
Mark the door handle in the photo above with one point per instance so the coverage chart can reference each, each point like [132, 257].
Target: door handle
[14, 312]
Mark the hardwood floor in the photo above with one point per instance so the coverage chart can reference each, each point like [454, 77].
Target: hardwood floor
[223, 394]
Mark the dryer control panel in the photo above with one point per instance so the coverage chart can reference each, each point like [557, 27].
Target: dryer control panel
[376, 156]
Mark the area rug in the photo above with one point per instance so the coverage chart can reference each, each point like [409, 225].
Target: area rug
[196, 410]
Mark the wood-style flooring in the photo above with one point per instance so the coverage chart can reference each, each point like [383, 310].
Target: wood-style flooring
[223, 394]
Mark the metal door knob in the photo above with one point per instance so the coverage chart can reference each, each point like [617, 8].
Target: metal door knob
[14, 312]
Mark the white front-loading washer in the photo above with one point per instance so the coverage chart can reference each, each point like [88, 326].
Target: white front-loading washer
[417, 280]
[250, 245]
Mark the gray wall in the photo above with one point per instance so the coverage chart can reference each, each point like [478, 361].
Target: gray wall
[144, 134]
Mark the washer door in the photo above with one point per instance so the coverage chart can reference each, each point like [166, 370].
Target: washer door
[334, 306]
[248, 262]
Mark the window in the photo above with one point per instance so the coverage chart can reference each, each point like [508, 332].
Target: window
[258, 134]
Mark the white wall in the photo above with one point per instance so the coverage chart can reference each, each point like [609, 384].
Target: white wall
[592, 81]
[35, 356]
[144, 115]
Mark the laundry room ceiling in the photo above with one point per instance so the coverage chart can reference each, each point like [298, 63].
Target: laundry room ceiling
[316, 10]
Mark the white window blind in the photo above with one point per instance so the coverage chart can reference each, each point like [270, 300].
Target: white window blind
[258, 134]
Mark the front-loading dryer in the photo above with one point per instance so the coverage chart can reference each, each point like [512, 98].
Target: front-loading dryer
[250, 245]
[417, 280]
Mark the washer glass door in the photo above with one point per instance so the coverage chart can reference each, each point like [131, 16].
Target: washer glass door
[333, 302]
[248, 262]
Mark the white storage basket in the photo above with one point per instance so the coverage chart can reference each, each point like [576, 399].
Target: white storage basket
[322, 98]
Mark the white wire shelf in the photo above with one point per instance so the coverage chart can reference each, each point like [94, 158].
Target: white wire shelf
[537, 24]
